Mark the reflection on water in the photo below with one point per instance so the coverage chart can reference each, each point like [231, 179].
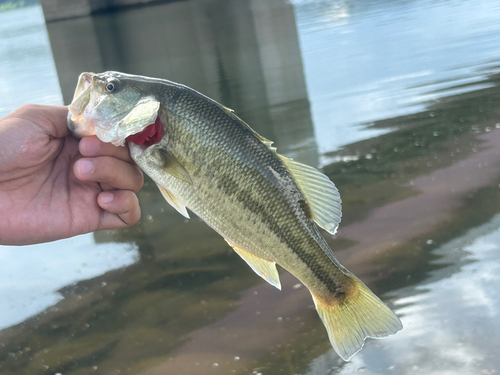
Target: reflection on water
[31, 277]
[244, 54]
[27, 71]
[367, 61]
[401, 99]
[449, 318]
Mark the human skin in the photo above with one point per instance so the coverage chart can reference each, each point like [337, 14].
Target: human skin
[53, 186]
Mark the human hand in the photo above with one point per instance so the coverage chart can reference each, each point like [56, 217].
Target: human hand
[53, 186]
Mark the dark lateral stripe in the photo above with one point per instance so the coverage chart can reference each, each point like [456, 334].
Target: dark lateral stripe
[229, 186]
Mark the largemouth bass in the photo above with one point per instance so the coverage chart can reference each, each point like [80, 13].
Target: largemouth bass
[266, 206]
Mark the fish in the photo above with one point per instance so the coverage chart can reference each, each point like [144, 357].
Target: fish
[267, 207]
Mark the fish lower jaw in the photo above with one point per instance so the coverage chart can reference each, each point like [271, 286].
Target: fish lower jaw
[135, 149]
[78, 126]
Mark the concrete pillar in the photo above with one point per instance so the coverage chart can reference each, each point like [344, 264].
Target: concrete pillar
[61, 9]
[243, 53]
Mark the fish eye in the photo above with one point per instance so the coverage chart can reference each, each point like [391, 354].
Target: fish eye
[112, 85]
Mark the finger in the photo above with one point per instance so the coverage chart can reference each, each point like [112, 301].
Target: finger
[92, 146]
[52, 119]
[121, 209]
[109, 170]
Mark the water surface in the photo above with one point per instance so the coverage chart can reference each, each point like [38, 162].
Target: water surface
[398, 101]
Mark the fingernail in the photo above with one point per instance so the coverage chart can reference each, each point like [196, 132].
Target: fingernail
[107, 197]
[90, 146]
[85, 166]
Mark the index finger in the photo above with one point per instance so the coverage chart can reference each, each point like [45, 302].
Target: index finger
[92, 146]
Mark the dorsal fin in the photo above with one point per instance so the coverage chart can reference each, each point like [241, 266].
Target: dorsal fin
[320, 192]
[265, 141]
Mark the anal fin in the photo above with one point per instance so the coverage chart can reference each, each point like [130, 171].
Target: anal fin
[262, 267]
[173, 201]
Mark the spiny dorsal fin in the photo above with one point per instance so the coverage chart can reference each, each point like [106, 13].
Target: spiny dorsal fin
[262, 267]
[173, 201]
[173, 167]
[320, 192]
[265, 141]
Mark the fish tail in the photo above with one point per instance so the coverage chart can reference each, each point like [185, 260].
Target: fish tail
[353, 316]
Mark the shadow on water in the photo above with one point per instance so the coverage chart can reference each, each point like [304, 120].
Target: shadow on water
[190, 305]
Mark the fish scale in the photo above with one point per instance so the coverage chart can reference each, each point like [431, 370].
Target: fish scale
[267, 206]
[203, 201]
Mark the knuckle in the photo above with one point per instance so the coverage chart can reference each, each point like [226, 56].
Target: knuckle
[89, 144]
[28, 107]
[121, 153]
[133, 214]
[118, 173]
[135, 217]
[128, 199]
[105, 149]
[138, 179]
[137, 214]
[134, 201]
[105, 168]
[109, 163]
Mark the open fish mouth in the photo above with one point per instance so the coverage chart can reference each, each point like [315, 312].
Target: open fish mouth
[146, 136]
[81, 96]
[94, 111]
[77, 123]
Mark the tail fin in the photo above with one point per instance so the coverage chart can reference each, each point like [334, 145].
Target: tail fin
[349, 322]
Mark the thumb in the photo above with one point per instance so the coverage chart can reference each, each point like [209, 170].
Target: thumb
[52, 120]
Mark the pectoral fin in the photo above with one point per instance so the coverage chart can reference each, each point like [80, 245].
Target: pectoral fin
[173, 167]
[262, 267]
[173, 201]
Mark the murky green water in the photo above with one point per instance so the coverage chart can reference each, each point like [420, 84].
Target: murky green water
[398, 101]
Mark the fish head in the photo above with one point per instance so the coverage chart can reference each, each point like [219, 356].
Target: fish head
[115, 107]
